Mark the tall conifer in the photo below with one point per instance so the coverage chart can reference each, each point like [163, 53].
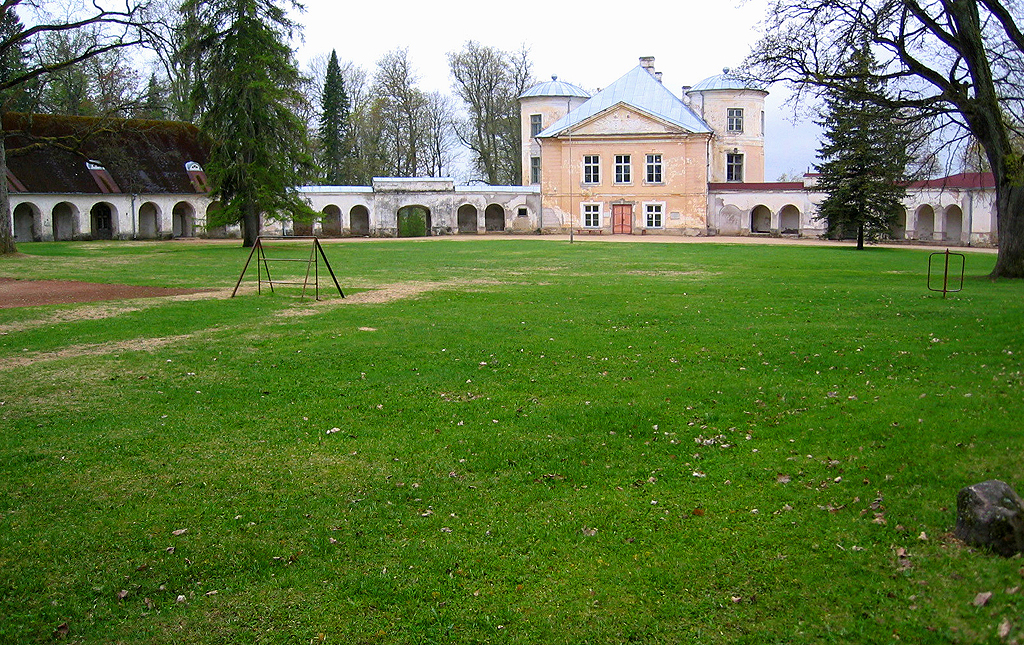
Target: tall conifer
[335, 132]
[864, 156]
[246, 96]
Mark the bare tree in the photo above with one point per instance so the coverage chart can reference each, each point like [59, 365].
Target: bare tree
[401, 106]
[489, 82]
[111, 29]
[439, 141]
[169, 27]
[954, 64]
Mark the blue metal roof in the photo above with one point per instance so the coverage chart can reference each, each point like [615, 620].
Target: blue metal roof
[555, 87]
[724, 81]
[638, 89]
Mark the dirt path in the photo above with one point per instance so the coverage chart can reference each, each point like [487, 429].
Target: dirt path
[29, 293]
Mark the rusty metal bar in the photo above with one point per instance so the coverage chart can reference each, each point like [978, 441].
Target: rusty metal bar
[316, 253]
[945, 272]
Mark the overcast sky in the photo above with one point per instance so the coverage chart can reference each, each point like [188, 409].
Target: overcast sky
[690, 40]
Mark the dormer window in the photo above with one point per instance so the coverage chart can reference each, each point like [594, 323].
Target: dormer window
[198, 178]
[735, 121]
[102, 178]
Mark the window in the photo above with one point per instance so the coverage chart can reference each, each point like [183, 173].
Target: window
[592, 215]
[653, 213]
[534, 170]
[591, 169]
[654, 169]
[623, 171]
[535, 125]
[735, 119]
[734, 167]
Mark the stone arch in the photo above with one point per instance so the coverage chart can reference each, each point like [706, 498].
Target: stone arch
[467, 217]
[954, 223]
[149, 220]
[212, 211]
[359, 221]
[183, 219]
[414, 221]
[789, 220]
[64, 219]
[899, 227]
[103, 221]
[494, 218]
[27, 223]
[330, 223]
[925, 222]
[730, 220]
[760, 219]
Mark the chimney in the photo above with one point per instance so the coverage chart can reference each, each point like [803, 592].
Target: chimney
[657, 76]
[647, 62]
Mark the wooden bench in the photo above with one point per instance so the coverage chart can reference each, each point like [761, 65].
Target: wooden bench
[590, 231]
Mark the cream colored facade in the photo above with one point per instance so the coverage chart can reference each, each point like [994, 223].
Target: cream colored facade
[587, 187]
[635, 158]
[737, 118]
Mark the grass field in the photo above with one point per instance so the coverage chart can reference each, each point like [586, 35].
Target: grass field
[508, 441]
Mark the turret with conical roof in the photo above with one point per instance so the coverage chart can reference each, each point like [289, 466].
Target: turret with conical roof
[734, 108]
[540, 106]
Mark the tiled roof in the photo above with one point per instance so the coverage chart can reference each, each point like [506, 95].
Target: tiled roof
[758, 187]
[961, 181]
[638, 89]
[49, 153]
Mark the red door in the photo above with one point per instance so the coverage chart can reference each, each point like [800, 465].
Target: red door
[622, 219]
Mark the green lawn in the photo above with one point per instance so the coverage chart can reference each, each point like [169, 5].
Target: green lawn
[508, 441]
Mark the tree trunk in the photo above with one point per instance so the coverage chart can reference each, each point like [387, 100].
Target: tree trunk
[1010, 227]
[860, 236]
[6, 223]
[250, 225]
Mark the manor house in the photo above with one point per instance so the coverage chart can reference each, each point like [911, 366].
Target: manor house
[633, 159]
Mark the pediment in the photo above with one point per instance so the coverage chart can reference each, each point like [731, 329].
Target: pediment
[622, 119]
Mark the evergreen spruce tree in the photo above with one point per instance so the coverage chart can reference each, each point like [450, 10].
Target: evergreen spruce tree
[864, 156]
[335, 132]
[153, 106]
[246, 93]
[12, 64]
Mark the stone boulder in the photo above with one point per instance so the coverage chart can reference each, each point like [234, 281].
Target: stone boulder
[991, 515]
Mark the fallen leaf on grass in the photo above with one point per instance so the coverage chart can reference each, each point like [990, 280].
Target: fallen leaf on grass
[179, 532]
[1004, 628]
[982, 599]
[783, 479]
[121, 595]
[903, 559]
[180, 599]
[61, 631]
[589, 532]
